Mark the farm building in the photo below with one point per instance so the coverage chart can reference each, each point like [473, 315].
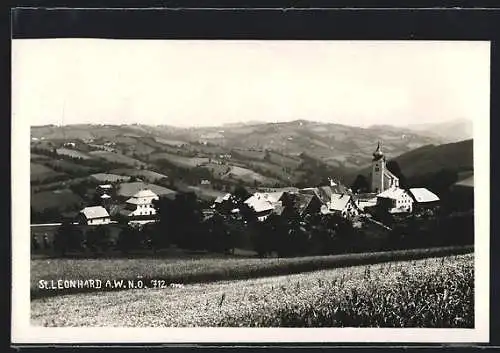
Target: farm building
[343, 205]
[423, 198]
[395, 200]
[141, 204]
[94, 215]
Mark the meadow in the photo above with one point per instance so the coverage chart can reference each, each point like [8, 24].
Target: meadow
[203, 270]
[432, 293]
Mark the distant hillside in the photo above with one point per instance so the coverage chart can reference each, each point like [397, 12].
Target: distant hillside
[455, 156]
[449, 131]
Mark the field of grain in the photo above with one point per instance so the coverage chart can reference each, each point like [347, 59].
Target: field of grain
[210, 269]
[437, 292]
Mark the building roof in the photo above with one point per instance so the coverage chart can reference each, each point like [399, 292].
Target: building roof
[423, 195]
[392, 193]
[143, 197]
[105, 196]
[324, 193]
[389, 174]
[260, 202]
[302, 201]
[145, 193]
[95, 212]
[106, 186]
[339, 202]
[222, 198]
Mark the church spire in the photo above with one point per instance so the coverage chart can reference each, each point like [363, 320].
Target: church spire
[378, 154]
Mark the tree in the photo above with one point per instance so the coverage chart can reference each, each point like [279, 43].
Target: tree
[360, 184]
[129, 240]
[240, 194]
[181, 218]
[218, 238]
[98, 239]
[67, 238]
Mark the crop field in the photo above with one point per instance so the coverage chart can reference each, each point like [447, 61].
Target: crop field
[130, 189]
[432, 293]
[149, 175]
[72, 153]
[117, 158]
[180, 161]
[211, 269]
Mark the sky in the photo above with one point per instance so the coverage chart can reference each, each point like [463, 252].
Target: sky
[208, 83]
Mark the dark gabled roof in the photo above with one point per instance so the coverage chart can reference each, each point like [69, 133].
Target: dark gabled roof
[302, 201]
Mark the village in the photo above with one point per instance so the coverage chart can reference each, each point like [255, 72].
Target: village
[386, 196]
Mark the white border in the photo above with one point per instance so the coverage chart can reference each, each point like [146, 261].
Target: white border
[23, 332]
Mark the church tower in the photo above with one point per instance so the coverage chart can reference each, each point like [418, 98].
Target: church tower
[378, 170]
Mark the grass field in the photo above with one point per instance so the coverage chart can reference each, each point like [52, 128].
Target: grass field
[431, 293]
[61, 199]
[41, 172]
[209, 269]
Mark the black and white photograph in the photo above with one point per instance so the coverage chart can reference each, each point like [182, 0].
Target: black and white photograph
[180, 184]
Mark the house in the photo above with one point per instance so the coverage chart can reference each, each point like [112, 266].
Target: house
[365, 200]
[94, 215]
[423, 198]
[381, 178]
[141, 204]
[343, 205]
[395, 200]
[264, 203]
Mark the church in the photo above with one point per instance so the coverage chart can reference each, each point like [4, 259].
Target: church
[390, 195]
[382, 178]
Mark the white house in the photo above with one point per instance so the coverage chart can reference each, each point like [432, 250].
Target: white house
[141, 204]
[395, 200]
[343, 204]
[94, 215]
[264, 203]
